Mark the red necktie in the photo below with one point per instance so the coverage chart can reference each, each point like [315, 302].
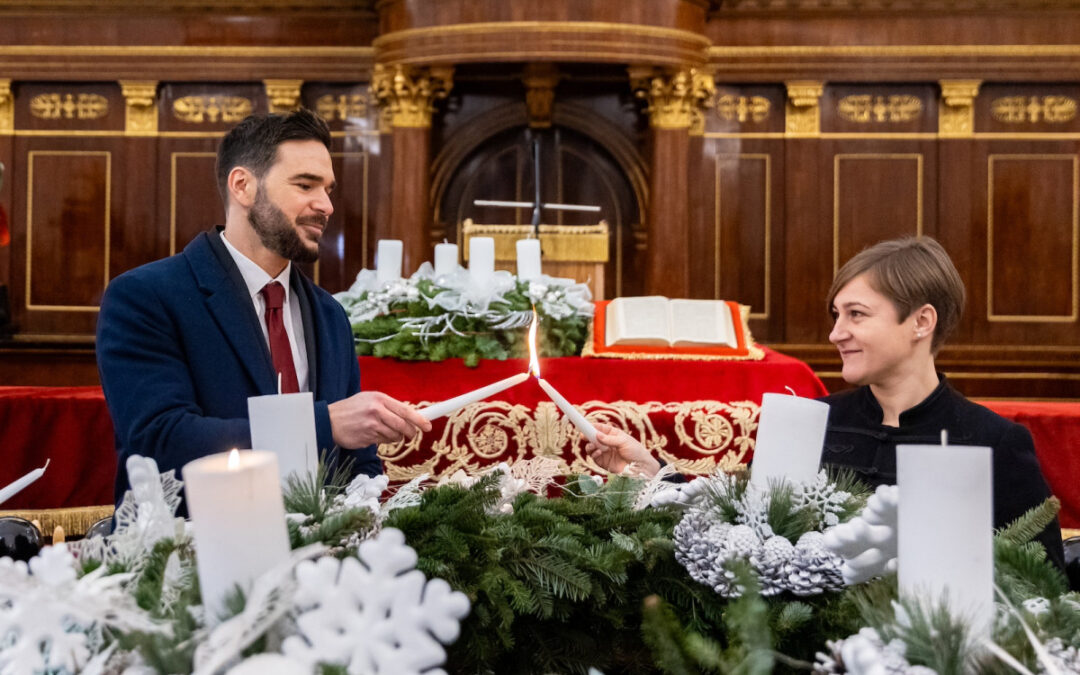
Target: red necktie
[280, 351]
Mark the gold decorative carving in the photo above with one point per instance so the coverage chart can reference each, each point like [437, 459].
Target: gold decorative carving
[283, 95]
[53, 106]
[561, 243]
[7, 107]
[342, 106]
[675, 98]
[407, 94]
[804, 108]
[141, 112]
[956, 116]
[540, 80]
[743, 108]
[710, 435]
[200, 109]
[868, 108]
[1033, 109]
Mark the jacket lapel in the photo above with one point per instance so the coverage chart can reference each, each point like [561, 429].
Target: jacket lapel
[299, 284]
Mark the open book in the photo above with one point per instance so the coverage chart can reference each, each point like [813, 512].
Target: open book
[656, 320]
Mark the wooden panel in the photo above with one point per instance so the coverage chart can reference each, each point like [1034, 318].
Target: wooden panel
[743, 229]
[1032, 269]
[194, 201]
[1014, 109]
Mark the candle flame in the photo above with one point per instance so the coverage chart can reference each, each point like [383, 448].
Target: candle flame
[234, 460]
[534, 362]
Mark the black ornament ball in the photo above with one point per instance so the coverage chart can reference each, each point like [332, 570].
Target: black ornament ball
[1072, 562]
[101, 528]
[19, 539]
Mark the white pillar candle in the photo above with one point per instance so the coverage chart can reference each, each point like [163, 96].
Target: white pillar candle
[238, 519]
[445, 259]
[17, 486]
[481, 260]
[790, 436]
[388, 260]
[448, 406]
[528, 259]
[285, 425]
[576, 418]
[945, 549]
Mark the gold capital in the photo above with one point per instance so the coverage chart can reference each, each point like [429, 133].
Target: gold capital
[283, 95]
[141, 112]
[408, 94]
[540, 80]
[675, 98]
[804, 107]
[7, 108]
[957, 114]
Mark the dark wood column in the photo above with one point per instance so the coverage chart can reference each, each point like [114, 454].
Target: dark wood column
[673, 97]
[407, 95]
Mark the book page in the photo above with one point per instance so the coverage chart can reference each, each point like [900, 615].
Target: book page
[701, 323]
[637, 321]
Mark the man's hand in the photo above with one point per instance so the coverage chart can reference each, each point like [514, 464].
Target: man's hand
[373, 417]
[615, 450]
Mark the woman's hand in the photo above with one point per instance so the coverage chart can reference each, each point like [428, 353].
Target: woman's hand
[615, 450]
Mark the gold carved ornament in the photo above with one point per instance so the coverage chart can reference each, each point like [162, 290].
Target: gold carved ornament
[54, 106]
[141, 113]
[540, 80]
[743, 108]
[407, 94]
[709, 435]
[1033, 109]
[803, 114]
[956, 116]
[200, 109]
[341, 107]
[7, 107]
[674, 99]
[867, 108]
[283, 95]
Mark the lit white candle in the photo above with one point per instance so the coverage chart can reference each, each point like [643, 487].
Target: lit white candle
[945, 549]
[238, 519]
[481, 260]
[576, 418]
[436, 410]
[388, 260]
[20, 484]
[445, 259]
[528, 259]
[790, 436]
[285, 425]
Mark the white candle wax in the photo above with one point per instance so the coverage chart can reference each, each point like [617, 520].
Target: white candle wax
[945, 549]
[481, 260]
[445, 259]
[790, 436]
[285, 425]
[388, 260]
[576, 418]
[238, 519]
[448, 406]
[528, 258]
[18, 485]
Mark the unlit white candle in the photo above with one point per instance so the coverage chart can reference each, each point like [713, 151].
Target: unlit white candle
[576, 418]
[790, 436]
[388, 260]
[285, 425]
[436, 410]
[528, 258]
[445, 259]
[481, 260]
[20, 484]
[945, 529]
[238, 519]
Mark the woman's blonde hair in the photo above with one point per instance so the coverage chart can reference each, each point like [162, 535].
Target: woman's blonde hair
[910, 272]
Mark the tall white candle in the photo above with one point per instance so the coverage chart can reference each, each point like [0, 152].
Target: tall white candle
[790, 436]
[388, 260]
[481, 260]
[528, 258]
[445, 259]
[238, 519]
[18, 485]
[576, 418]
[285, 425]
[436, 410]
[945, 549]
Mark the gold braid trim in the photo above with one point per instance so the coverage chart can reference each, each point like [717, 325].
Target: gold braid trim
[75, 520]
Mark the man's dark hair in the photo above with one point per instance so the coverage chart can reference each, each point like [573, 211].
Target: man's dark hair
[253, 143]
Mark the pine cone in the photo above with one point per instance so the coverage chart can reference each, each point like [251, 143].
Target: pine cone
[772, 564]
[814, 568]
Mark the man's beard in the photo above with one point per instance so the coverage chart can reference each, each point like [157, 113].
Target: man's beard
[278, 234]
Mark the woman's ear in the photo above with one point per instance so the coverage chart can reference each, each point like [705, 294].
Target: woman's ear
[242, 186]
[925, 321]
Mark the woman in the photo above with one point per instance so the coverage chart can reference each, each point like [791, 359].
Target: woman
[893, 305]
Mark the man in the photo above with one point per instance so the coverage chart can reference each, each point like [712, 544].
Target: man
[184, 341]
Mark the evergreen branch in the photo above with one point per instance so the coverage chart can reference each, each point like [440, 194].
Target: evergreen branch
[1031, 524]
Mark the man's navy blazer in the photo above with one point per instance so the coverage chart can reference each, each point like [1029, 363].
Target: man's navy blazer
[180, 349]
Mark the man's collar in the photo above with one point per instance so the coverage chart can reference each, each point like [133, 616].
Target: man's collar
[255, 277]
